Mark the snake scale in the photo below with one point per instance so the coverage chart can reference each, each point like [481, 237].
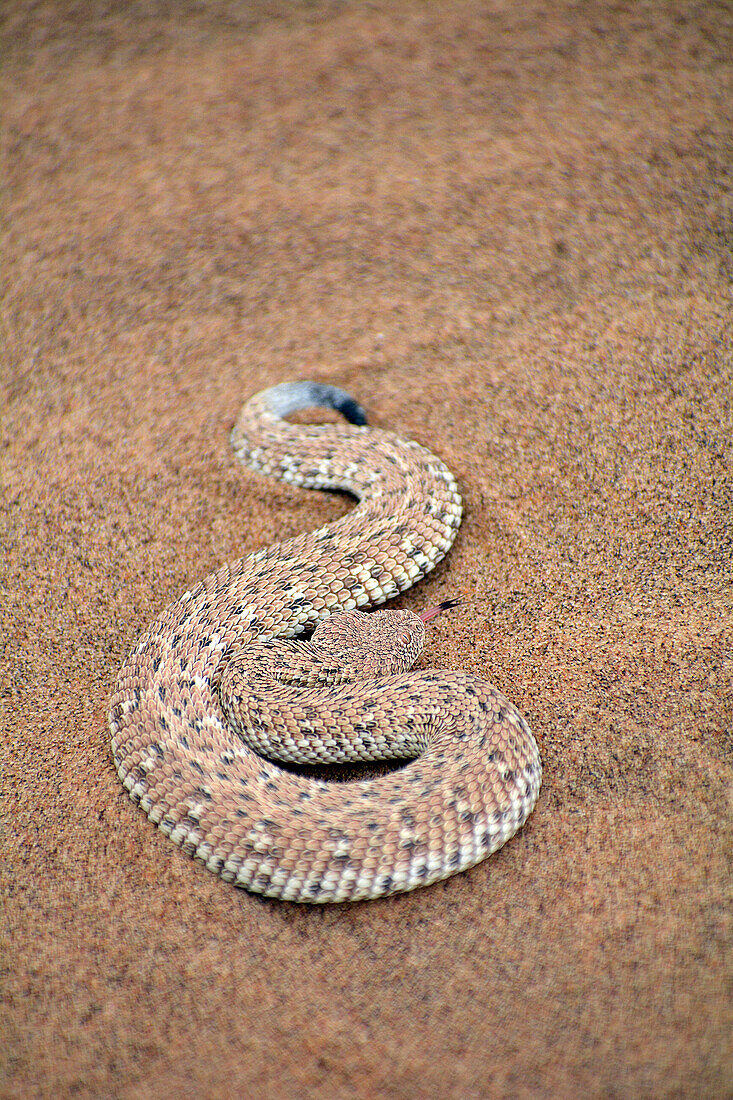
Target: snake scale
[216, 691]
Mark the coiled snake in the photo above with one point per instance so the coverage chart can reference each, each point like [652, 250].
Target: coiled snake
[215, 685]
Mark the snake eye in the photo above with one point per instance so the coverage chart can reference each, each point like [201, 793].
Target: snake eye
[403, 637]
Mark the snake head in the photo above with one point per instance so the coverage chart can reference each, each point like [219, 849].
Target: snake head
[384, 643]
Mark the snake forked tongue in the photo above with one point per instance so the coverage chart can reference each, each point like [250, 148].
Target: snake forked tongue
[433, 611]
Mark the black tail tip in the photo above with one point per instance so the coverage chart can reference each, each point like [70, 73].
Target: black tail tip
[288, 397]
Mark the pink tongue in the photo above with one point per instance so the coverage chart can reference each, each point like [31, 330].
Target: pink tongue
[444, 606]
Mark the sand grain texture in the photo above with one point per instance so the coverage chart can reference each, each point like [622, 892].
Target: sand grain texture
[507, 232]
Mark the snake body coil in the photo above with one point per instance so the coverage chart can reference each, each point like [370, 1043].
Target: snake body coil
[215, 682]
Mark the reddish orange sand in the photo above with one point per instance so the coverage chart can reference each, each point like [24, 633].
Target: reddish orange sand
[506, 229]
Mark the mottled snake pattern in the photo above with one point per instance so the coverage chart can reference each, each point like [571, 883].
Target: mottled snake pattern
[217, 692]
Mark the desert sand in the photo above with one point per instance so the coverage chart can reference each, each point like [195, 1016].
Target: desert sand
[506, 230]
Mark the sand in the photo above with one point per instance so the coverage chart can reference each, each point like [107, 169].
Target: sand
[506, 230]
